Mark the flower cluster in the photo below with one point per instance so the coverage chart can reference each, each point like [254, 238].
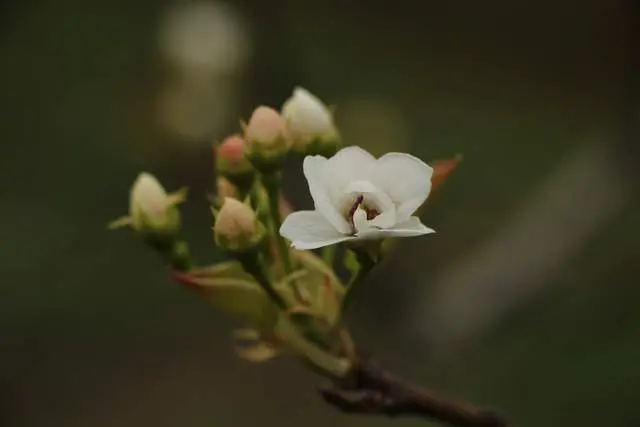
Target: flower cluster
[288, 296]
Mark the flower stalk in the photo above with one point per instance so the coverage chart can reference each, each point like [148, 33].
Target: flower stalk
[272, 184]
[328, 255]
[366, 263]
[253, 263]
[177, 256]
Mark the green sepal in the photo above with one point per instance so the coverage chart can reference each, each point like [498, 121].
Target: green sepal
[242, 244]
[267, 162]
[159, 235]
[322, 287]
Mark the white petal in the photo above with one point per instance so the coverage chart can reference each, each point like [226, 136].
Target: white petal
[313, 167]
[312, 110]
[409, 228]
[360, 221]
[310, 230]
[385, 220]
[405, 178]
[347, 165]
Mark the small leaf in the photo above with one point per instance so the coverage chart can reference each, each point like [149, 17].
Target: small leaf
[119, 223]
[222, 269]
[232, 293]
[178, 196]
[250, 345]
[442, 169]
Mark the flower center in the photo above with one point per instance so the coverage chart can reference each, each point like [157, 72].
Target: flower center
[359, 204]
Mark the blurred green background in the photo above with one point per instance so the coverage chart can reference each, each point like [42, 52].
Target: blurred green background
[526, 299]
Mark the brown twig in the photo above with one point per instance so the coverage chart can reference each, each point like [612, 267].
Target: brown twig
[375, 391]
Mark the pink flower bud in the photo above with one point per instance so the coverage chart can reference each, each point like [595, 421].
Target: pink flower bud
[265, 131]
[237, 227]
[230, 155]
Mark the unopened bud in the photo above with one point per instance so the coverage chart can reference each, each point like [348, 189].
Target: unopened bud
[152, 212]
[309, 124]
[266, 140]
[237, 228]
[232, 163]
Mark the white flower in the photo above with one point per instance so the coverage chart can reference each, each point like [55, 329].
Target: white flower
[307, 118]
[359, 197]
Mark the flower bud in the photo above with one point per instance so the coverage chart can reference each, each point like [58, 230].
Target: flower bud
[237, 228]
[232, 163]
[152, 212]
[309, 124]
[265, 136]
[148, 201]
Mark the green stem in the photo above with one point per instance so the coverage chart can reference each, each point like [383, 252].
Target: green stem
[252, 264]
[365, 264]
[328, 255]
[176, 255]
[272, 182]
[259, 204]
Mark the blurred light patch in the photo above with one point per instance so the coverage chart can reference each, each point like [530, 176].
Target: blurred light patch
[195, 110]
[205, 34]
[208, 46]
[379, 126]
[505, 273]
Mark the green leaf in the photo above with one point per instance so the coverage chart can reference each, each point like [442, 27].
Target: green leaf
[222, 269]
[233, 291]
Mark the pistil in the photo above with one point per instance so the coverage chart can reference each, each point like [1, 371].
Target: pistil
[358, 203]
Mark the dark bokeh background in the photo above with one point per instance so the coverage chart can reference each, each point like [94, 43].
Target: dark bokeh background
[526, 299]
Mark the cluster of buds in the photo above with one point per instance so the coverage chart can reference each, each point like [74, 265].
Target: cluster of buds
[294, 296]
[304, 125]
[232, 165]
